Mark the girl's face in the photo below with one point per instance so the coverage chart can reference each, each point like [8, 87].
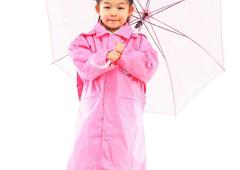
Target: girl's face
[114, 13]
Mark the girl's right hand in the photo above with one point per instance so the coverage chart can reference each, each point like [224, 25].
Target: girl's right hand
[119, 47]
[113, 56]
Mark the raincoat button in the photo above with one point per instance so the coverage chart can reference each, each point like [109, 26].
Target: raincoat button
[105, 138]
[149, 64]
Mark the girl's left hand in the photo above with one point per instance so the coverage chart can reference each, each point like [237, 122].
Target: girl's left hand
[119, 47]
[113, 56]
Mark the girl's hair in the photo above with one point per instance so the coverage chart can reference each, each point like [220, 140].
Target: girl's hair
[130, 3]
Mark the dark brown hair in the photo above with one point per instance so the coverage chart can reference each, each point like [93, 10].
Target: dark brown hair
[130, 2]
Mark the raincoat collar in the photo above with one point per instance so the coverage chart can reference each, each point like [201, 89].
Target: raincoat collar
[124, 31]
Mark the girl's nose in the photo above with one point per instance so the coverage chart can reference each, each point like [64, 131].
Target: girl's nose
[113, 15]
[113, 12]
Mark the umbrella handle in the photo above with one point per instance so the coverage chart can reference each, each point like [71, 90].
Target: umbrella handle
[101, 66]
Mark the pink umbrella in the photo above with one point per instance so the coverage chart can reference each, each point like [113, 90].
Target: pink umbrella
[186, 33]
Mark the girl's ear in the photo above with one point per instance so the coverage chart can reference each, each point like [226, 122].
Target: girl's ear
[97, 8]
[131, 9]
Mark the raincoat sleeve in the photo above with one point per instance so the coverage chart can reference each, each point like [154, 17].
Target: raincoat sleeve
[141, 63]
[79, 86]
[85, 60]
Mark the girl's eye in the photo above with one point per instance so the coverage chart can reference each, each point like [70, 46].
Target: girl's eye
[120, 8]
[106, 7]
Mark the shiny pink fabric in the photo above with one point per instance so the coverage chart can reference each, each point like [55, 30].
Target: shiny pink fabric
[111, 134]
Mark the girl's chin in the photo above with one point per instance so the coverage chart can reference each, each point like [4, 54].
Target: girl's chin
[111, 28]
[113, 25]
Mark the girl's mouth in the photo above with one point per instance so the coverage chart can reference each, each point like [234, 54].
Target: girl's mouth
[113, 20]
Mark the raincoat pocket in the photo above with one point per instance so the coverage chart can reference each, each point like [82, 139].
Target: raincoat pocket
[128, 109]
[87, 106]
[90, 90]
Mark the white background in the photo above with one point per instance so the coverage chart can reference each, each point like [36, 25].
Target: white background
[38, 106]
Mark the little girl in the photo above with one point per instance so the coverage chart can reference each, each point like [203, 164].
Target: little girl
[112, 99]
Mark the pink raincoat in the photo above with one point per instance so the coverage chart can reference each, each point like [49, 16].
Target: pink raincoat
[111, 136]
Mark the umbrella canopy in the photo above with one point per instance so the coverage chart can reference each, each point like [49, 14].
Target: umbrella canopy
[186, 33]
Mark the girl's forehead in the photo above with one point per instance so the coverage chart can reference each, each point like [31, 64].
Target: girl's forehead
[115, 2]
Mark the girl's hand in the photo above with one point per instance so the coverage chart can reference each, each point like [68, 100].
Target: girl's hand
[119, 47]
[113, 56]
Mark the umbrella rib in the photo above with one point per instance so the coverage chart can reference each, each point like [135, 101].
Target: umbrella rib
[199, 45]
[186, 36]
[132, 23]
[59, 59]
[135, 11]
[165, 7]
[139, 5]
[147, 5]
[169, 73]
[157, 39]
[136, 19]
[139, 23]
[138, 10]
[162, 9]
[158, 45]
[177, 32]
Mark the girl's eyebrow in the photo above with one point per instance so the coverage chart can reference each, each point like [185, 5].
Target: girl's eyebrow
[121, 3]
